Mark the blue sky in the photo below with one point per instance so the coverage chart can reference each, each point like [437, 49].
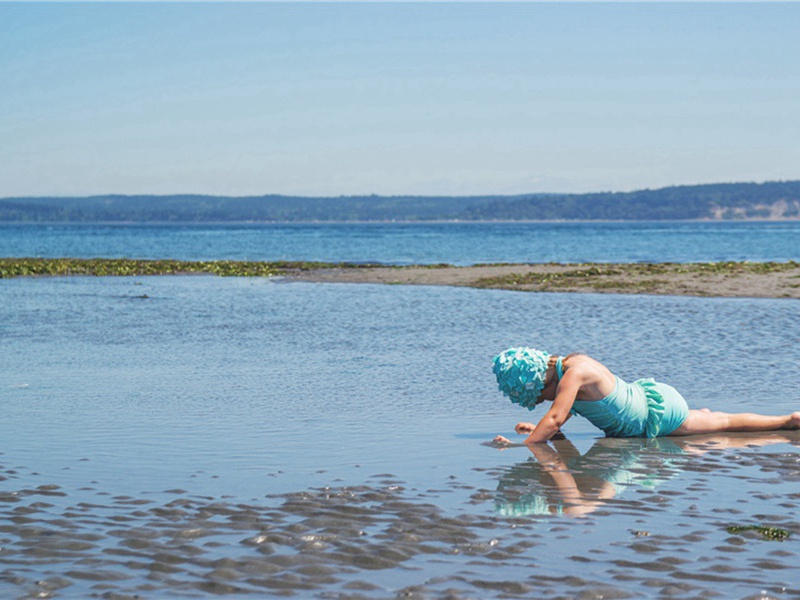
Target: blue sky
[427, 98]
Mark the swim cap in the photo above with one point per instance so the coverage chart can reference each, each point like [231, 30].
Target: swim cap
[520, 374]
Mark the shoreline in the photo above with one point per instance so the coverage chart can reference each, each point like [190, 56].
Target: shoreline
[717, 279]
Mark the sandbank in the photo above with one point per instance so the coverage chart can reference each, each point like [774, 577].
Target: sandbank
[722, 279]
[716, 279]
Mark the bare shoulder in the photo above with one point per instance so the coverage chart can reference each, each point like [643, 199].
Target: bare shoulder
[582, 362]
[596, 381]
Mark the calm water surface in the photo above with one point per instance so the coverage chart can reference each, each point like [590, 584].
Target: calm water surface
[198, 436]
[414, 243]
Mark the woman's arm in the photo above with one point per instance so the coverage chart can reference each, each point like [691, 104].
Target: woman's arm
[523, 428]
[551, 422]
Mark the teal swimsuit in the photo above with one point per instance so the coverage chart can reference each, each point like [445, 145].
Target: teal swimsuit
[644, 408]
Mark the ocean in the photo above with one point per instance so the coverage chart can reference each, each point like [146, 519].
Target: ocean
[415, 243]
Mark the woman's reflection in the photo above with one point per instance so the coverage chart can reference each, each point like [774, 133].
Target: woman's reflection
[560, 480]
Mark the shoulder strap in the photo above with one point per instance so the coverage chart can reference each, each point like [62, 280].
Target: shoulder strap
[559, 368]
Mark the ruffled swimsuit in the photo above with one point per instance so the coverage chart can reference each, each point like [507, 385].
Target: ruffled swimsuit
[644, 408]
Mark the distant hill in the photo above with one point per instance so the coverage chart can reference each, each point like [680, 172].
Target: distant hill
[771, 200]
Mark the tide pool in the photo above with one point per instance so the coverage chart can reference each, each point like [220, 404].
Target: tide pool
[197, 435]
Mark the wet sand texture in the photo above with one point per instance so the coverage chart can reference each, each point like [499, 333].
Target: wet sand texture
[384, 540]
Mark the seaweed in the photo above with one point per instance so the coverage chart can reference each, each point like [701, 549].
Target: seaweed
[105, 267]
[633, 276]
[772, 534]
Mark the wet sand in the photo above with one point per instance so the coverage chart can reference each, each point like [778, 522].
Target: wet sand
[746, 280]
[663, 531]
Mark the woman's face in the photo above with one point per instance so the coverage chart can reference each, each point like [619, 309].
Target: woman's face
[550, 385]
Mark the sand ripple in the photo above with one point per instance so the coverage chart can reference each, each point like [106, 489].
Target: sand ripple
[384, 540]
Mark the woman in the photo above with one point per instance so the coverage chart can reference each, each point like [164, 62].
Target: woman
[580, 385]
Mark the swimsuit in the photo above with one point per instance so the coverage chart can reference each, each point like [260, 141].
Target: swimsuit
[644, 408]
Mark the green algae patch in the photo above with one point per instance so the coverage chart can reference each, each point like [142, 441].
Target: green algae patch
[126, 267]
[772, 534]
[632, 277]
[554, 279]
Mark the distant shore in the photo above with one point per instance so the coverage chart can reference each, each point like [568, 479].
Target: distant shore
[714, 201]
[719, 279]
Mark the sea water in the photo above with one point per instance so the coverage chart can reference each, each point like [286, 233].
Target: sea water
[193, 436]
[414, 243]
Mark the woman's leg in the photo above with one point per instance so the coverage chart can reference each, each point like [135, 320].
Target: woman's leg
[705, 421]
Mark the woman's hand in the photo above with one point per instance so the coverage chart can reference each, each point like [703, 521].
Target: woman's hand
[501, 440]
[524, 428]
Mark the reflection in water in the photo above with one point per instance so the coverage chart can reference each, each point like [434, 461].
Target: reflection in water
[559, 480]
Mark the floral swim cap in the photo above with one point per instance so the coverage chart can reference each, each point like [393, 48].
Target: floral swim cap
[520, 374]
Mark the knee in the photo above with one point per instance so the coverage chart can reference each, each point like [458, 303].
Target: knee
[721, 420]
[704, 421]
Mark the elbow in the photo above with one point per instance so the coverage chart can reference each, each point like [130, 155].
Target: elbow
[545, 430]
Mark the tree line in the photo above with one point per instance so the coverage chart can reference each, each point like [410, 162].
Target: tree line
[778, 199]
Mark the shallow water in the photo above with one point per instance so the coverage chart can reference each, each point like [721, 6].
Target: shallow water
[203, 436]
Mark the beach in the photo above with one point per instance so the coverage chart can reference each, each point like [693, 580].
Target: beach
[264, 436]
[194, 424]
[725, 279]
[258, 262]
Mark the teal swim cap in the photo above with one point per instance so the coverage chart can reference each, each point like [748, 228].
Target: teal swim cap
[520, 374]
